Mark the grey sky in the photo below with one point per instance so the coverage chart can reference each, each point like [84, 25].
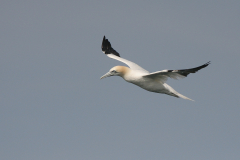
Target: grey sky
[54, 106]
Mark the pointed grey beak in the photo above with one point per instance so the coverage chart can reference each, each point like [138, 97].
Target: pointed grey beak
[106, 75]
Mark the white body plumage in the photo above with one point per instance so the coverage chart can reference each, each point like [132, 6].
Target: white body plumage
[153, 82]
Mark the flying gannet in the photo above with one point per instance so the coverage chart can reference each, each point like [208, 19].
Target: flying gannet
[153, 82]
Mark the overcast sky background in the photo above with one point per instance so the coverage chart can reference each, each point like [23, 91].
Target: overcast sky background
[53, 105]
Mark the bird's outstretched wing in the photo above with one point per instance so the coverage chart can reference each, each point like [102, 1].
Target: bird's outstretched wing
[175, 74]
[110, 52]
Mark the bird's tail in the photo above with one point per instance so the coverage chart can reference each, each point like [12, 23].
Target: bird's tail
[175, 93]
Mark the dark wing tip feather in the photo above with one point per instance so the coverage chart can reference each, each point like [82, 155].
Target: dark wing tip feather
[185, 72]
[193, 70]
[107, 48]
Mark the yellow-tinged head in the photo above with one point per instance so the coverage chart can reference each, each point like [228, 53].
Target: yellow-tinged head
[117, 71]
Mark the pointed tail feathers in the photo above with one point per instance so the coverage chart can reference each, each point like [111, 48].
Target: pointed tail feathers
[175, 93]
[182, 96]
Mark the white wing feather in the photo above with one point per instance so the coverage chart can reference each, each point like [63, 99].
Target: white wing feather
[132, 65]
[112, 53]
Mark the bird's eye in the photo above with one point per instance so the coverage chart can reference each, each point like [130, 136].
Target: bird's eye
[113, 71]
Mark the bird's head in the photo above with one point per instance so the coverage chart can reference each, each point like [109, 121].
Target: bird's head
[116, 71]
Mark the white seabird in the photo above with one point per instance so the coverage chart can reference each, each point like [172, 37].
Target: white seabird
[153, 82]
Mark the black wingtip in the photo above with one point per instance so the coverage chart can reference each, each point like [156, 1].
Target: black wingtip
[194, 70]
[107, 48]
[206, 64]
[209, 62]
[186, 72]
